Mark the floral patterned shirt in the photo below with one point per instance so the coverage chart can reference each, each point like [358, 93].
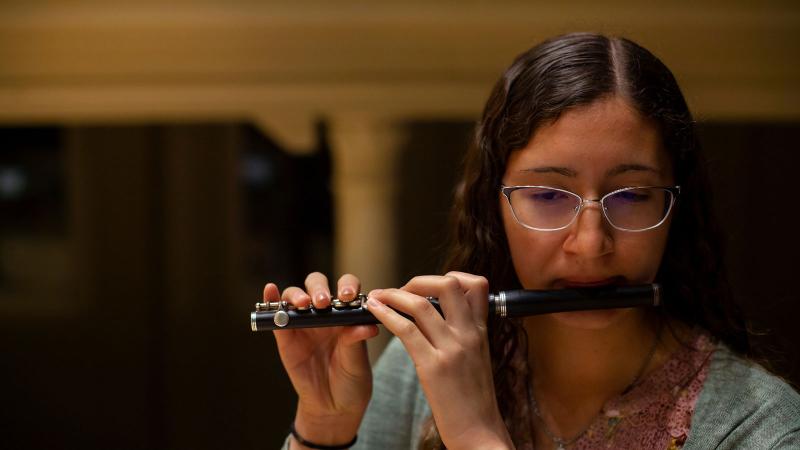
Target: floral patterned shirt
[657, 412]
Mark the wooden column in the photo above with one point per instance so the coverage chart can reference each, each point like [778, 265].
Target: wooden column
[365, 154]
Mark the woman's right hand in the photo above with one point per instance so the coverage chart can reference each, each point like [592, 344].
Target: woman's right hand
[328, 367]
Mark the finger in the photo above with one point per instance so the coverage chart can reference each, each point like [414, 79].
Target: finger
[296, 296]
[317, 287]
[299, 298]
[349, 285]
[358, 333]
[414, 341]
[352, 349]
[449, 292]
[354, 358]
[426, 318]
[271, 293]
[476, 289]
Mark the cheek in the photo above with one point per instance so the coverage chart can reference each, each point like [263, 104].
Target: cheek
[641, 254]
[531, 252]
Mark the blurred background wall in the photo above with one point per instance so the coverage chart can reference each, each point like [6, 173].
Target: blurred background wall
[161, 161]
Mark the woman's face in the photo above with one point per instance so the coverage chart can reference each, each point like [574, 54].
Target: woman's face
[591, 150]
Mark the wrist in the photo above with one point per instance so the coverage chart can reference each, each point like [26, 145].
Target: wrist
[297, 441]
[329, 430]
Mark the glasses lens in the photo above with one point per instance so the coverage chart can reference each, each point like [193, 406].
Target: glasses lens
[638, 208]
[544, 208]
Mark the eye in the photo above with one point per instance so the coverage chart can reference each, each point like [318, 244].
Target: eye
[547, 195]
[632, 196]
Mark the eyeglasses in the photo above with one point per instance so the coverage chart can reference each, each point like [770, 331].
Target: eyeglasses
[544, 208]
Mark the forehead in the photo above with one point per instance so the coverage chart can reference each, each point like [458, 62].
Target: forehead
[590, 139]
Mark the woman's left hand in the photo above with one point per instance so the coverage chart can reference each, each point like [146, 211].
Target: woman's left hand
[451, 354]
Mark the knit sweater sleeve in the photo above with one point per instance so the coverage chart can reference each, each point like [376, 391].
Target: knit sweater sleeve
[744, 406]
[398, 406]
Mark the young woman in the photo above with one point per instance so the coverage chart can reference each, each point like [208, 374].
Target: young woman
[585, 172]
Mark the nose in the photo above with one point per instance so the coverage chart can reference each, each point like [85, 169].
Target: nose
[590, 236]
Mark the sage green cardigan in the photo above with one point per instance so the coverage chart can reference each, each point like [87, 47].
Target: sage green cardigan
[741, 406]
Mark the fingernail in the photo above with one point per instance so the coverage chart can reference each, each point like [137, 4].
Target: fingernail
[374, 292]
[373, 303]
[322, 299]
[303, 301]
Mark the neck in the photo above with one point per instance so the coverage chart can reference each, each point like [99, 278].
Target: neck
[575, 369]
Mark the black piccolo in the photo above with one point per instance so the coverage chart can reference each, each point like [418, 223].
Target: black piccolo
[517, 303]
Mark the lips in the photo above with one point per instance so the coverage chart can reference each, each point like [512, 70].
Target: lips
[590, 282]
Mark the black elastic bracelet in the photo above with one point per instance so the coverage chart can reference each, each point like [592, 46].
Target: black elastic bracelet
[310, 444]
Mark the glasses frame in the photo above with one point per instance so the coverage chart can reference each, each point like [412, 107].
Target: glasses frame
[674, 190]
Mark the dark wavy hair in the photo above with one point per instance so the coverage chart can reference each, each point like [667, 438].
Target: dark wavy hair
[541, 84]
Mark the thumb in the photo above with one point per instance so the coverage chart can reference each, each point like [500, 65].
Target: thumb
[353, 347]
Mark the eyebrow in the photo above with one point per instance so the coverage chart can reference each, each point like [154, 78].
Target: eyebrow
[567, 172]
[622, 168]
[552, 169]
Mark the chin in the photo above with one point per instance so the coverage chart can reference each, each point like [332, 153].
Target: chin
[591, 320]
